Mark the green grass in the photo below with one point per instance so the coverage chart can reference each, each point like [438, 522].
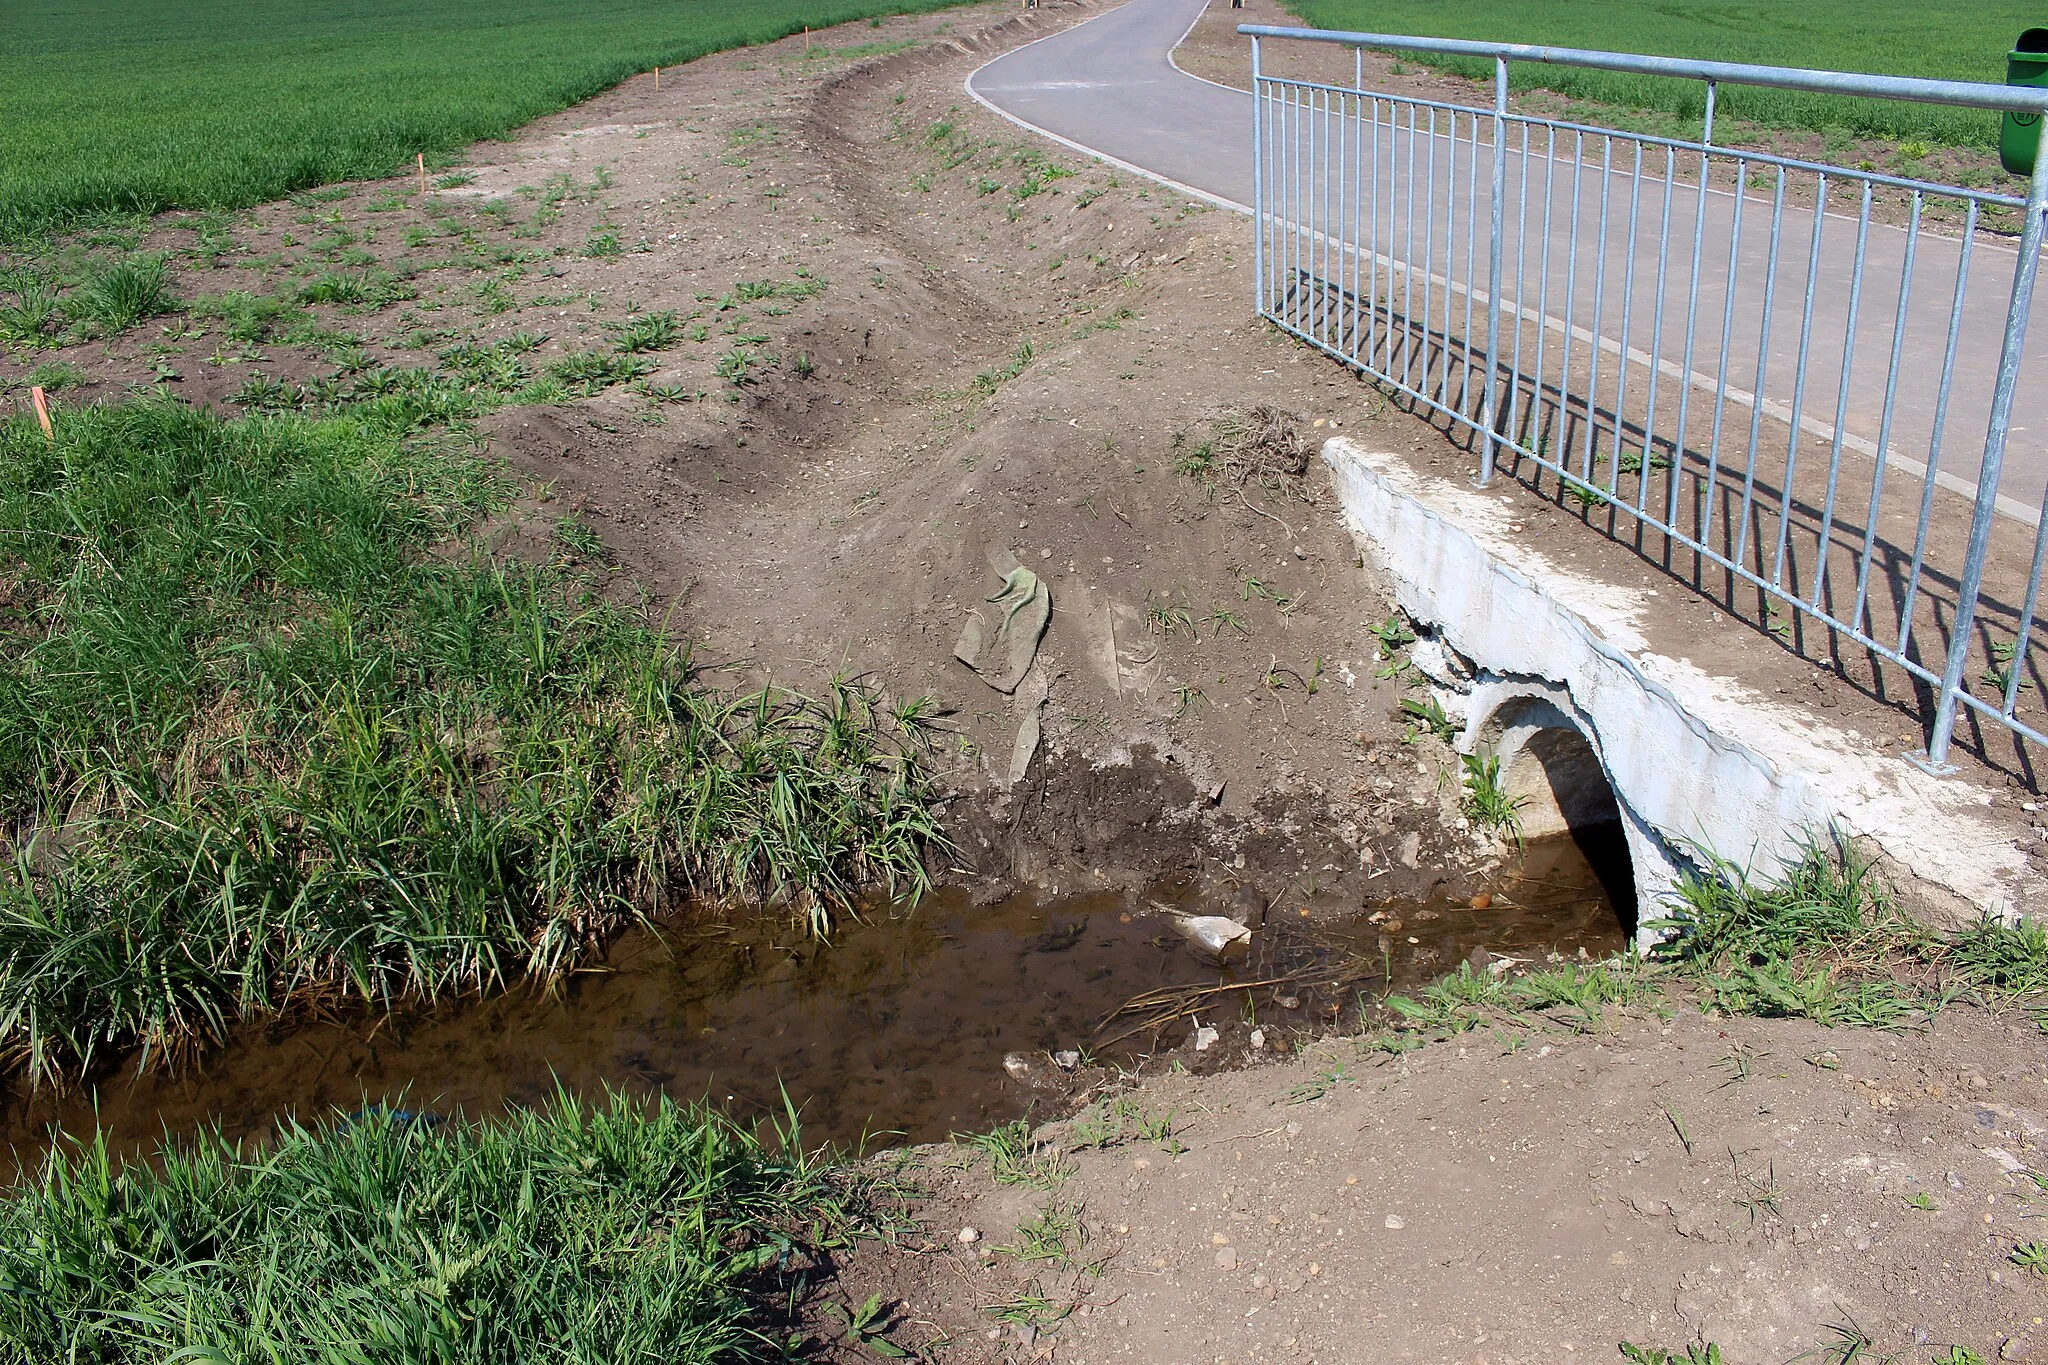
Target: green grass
[1891, 37]
[607, 1232]
[120, 106]
[1014, 1159]
[1823, 942]
[276, 728]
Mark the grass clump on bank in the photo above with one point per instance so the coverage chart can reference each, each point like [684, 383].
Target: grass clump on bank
[276, 726]
[610, 1232]
[1825, 942]
[1891, 37]
[120, 106]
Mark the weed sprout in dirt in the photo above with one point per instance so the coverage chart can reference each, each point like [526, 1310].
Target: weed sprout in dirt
[276, 726]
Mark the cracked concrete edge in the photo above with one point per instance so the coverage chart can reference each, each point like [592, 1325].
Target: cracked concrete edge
[1700, 761]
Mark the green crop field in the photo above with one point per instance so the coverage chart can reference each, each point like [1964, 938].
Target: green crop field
[1891, 37]
[142, 105]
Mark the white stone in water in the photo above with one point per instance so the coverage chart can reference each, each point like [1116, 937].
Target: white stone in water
[1017, 1064]
[1067, 1060]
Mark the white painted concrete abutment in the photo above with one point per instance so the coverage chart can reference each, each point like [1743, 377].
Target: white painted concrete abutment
[1526, 648]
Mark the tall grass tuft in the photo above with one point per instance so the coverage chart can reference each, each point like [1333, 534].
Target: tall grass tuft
[123, 294]
[1827, 900]
[609, 1232]
[274, 728]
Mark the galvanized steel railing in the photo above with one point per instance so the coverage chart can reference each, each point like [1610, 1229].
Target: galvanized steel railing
[1670, 329]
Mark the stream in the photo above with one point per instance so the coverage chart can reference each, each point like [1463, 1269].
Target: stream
[896, 1030]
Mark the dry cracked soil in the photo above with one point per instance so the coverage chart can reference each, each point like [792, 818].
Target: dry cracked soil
[906, 349]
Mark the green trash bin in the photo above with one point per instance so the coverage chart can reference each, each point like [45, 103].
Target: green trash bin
[2020, 134]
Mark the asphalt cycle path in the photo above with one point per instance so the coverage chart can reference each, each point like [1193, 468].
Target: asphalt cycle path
[1582, 218]
[1109, 87]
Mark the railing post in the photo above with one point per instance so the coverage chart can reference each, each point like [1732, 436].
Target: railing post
[1935, 760]
[1493, 267]
[1258, 186]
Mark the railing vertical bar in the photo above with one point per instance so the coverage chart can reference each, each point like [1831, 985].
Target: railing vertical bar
[1587, 474]
[1372, 337]
[1827, 512]
[1711, 489]
[1535, 440]
[1934, 438]
[1471, 273]
[1507, 425]
[1561, 461]
[2010, 350]
[1645, 475]
[1471, 216]
[1628, 314]
[1296, 241]
[1321, 212]
[1490, 408]
[1763, 355]
[1795, 422]
[1442, 340]
[1354, 216]
[1258, 185]
[1884, 425]
[1692, 313]
[1420, 147]
[2016, 666]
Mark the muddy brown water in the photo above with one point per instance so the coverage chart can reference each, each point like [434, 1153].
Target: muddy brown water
[900, 1026]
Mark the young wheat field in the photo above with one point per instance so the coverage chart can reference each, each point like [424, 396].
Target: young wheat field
[114, 106]
[1890, 37]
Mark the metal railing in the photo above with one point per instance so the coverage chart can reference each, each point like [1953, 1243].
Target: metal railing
[1729, 350]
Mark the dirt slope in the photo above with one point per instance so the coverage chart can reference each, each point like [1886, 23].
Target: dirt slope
[1774, 1187]
[903, 343]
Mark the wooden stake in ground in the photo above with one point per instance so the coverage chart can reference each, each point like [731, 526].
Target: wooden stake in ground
[657, 78]
[42, 403]
[420, 158]
[807, 37]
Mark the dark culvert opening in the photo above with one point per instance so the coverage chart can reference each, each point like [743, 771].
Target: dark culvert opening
[1567, 798]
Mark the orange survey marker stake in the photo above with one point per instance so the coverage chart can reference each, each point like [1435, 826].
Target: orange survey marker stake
[420, 159]
[42, 403]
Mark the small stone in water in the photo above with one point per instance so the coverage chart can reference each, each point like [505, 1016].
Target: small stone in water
[1017, 1064]
[1289, 1002]
[969, 1236]
[1481, 901]
[1067, 1060]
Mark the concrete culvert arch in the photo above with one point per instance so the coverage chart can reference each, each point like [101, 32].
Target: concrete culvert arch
[1551, 767]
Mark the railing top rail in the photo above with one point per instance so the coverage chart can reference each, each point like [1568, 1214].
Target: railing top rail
[1967, 94]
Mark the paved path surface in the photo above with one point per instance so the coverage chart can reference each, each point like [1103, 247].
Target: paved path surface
[1109, 86]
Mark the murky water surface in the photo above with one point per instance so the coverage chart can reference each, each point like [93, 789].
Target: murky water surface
[898, 1026]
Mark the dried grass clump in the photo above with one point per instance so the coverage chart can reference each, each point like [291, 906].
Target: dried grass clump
[1260, 444]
